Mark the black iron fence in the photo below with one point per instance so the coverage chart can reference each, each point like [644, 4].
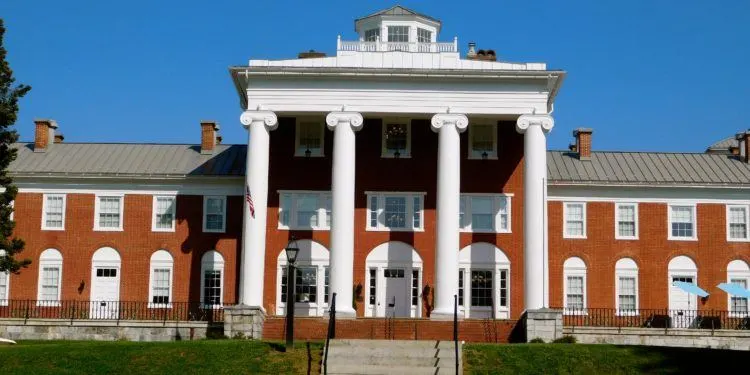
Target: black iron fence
[655, 318]
[111, 310]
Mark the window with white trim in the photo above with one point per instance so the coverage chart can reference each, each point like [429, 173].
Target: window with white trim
[162, 272]
[482, 287]
[214, 214]
[484, 213]
[738, 273]
[398, 33]
[626, 221]
[396, 139]
[50, 276]
[53, 212]
[737, 220]
[626, 287]
[574, 286]
[108, 214]
[574, 217]
[682, 222]
[395, 211]
[212, 279]
[372, 35]
[305, 284]
[483, 141]
[305, 210]
[164, 208]
[4, 284]
[738, 305]
[424, 35]
[309, 138]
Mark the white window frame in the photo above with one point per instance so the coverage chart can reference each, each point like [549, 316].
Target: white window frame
[45, 207]
[161, 265]
[466, 225]
[747, 223]
[618, 206]
[97, 207]
[4, 302]
[223, 216]
[322, 198]
[733, 274]
[214, 266]
[316, 308]
[154, 212]
[695, 222]
[565, 220]
[474, 155]
[409, 196]
[626, 272]
[58, 263]
[308, 120]
[424, 31]
[384, 153]
[575, 272]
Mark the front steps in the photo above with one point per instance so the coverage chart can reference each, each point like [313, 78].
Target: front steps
[387, 357]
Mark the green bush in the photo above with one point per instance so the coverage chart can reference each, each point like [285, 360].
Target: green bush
[565, 340]
[537, 340]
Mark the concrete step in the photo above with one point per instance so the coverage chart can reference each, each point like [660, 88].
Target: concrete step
[353, 351]
[393, 361]
[394, 343]
[388, 370]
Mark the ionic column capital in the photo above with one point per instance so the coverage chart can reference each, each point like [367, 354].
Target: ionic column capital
[525, 121]
[441, 119]
[267, 118]
[354, 119]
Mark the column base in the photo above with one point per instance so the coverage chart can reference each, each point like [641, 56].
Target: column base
[443, 314]
[544, 323]
[242, 321]
[342, 313]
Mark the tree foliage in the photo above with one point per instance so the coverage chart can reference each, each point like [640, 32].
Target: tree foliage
[9, 96]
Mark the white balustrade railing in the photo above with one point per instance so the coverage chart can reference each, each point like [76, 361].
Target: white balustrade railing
[380, 46]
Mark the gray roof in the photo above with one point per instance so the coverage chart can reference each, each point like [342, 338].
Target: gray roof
[397, 10]
[118, 159]
[724, 145]
[647, 168]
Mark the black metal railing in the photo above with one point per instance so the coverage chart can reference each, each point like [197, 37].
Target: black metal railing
[655, 318]
[455, 329]
[331, 331]
[111, 310]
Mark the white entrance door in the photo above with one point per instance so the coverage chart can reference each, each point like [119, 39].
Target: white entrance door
[682, 305]
[397, 290]
[105, 292]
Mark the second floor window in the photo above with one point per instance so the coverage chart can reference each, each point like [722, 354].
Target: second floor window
[214, 213]
[682, 222]
[627, 221]
[53, 216]
[737, 219]
[396, 140]
[482, 141]
[395, 211]
[305, 210]
[398, 33]
[108, 214]
[484, 213]
[309, 140]
[575, 220]
[164, 214]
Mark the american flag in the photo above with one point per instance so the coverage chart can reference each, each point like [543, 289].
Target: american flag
[249, 200]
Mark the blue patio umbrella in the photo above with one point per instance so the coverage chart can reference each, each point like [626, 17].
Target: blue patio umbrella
[734, 290]
[690, 288]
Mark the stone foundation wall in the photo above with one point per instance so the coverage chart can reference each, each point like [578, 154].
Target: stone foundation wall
[545, 324]
[242, 321]
[62, 329]
[692, 338]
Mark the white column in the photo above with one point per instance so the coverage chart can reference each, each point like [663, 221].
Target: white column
[343, 125]
[448, 127]
[536, 270]
[252, 261]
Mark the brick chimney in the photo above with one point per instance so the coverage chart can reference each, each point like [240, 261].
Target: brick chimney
[44, 135]
[744, 141]
[583, 142]
[209, 136]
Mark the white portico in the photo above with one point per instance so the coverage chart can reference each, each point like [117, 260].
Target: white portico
[396, 68]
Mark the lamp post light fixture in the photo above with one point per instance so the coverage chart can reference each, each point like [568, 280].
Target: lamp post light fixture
[291, 275]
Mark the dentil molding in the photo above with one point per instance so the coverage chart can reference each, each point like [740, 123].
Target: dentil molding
[545, 121]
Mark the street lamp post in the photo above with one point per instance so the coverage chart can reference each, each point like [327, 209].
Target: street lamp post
[291, 256]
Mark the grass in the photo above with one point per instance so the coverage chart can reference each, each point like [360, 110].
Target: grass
[595, 359]
[184, 357]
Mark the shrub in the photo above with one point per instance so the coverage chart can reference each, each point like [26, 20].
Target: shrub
[565, 340]
[537, 340]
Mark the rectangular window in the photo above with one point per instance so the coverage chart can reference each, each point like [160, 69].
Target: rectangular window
[575, 220]
[372, 286]
[395, 211]
[461, 287]
[212, 287]
[398, 33]
[306, 284]
[50, 284]
[326, 281]
[424, 35]
[372, 35]
[682, 222]
[414, 287]
[737, 219]
[161, 286]
[305, 210]
[626, 294]
[627, 221]
[481, 288]
[4, 283]
[309, 138]
[574, 293]
[164, 214]
[396, 140]
[53, 216]
[738, 305]
[108, 213]
[503, 288]
[484, 213]
[214, 213]
[483, 141]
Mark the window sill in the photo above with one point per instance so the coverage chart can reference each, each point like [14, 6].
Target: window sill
[54, 229]
[318, 229]
[96, 229]
[738, 240]
[574, 237]
[159, 305]
[371, 229]
[682, 238]
[489, 157]
[484, 231]
[163, 230]
[213, 231]
[627, 238]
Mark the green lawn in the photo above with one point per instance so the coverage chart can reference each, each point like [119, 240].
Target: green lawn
[184, 357]
[596, 359]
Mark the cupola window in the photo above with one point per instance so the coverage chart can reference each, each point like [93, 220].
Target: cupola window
[398, 33]
[372, 35]
[424, 36]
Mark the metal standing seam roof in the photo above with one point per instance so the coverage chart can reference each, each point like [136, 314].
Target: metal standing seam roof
[397, 10]
[647, 168]
[118, 159]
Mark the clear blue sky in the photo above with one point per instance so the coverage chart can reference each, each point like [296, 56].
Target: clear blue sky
[646, 75]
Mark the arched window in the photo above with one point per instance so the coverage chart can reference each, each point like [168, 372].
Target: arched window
[160, 284]
[4, 285]
[310, 283]
[574, 286]
[626, 287]
[738, 273]
[212, 279]
[50, 276]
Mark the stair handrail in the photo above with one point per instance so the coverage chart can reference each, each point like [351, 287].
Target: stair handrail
[331, 331]
[455, 328]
